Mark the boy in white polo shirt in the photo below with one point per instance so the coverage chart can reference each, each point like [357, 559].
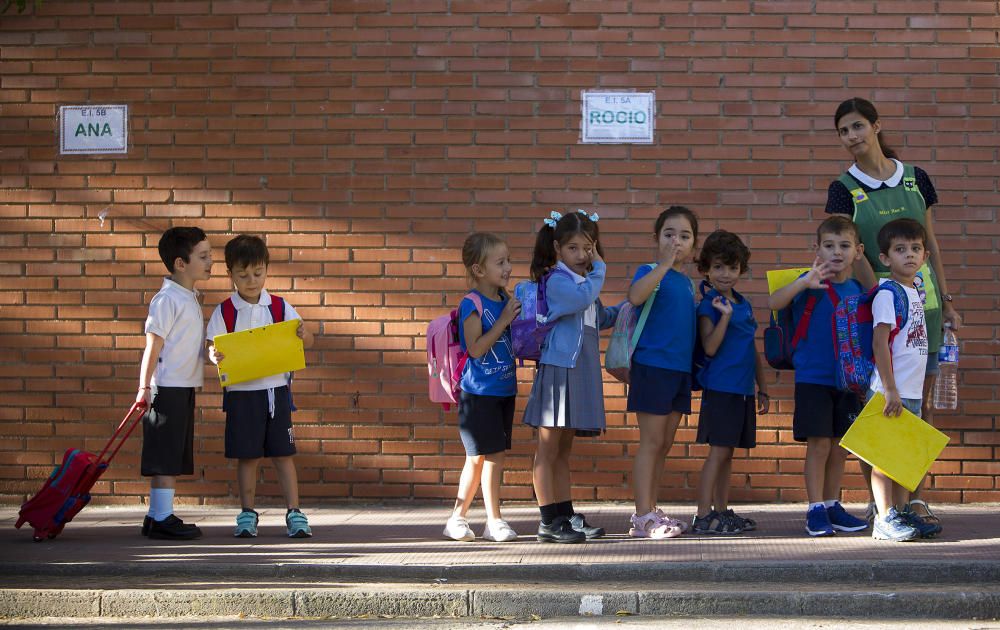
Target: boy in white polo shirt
[172, 367]
[259, 412]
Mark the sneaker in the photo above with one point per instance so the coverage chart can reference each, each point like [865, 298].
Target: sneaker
[892, 527]
[715, 523]
[652, 526]
[457, 528]
[173, 528]
[844, 522]
[499, 531]
[673, 522]
[580, 524]
[871, 512]
[147, 521]
[928, 515]
[297, 525]
[560, 531]
[744, 523]
[246, 524]
[923, 527]
[818, 522]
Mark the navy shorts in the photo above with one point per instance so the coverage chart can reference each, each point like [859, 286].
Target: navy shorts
[168, 433]
[251, 431]
[823, 411]
[727, 420]
[658, 391]
[485, 423]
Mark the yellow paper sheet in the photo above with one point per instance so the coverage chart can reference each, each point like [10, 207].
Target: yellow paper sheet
[778, 278]
[903, 447]
[258, 352]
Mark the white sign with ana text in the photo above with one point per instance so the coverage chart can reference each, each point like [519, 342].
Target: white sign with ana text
[618, 117]
[93, 129]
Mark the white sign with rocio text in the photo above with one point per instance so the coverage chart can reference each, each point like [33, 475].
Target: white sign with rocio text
[93, 129]
[618, 117]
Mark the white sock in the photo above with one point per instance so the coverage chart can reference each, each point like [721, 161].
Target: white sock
[830, 503]
[818, 503]
[161, 503]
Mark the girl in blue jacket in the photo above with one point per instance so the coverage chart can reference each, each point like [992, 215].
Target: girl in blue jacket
[567, 397]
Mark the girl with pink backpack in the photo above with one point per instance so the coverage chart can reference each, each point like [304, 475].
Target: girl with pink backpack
[488, 385]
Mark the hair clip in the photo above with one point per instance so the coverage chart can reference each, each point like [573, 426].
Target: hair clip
[555, 215]
[550, 222]
[592, 217]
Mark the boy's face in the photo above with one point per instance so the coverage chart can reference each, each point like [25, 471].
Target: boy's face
[198, 267]
[249, 280]
[839, 250]
[723, 276]
[905, 257]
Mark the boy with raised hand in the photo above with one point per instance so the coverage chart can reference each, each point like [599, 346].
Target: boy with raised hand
[900, 359]
[823, 413]
[172, 367]
[258, 412]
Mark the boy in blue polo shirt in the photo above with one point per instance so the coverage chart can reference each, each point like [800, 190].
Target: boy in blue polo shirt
[823, 413]
[728, 418]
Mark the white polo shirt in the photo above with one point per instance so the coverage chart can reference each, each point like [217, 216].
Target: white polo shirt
[175, 316]
[250, 316]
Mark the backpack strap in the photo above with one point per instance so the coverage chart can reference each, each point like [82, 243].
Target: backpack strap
[456, 375]
[229, 314]
[900, 299]
[277, 309]
[803, 327]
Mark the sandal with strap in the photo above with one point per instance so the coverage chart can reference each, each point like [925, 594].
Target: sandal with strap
[651, 526]
[715, 523]
[673, 522]
[928, 516]
[745, 524]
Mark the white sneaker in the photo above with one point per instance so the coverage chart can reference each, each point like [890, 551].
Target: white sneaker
[457, 528]
[499, 531]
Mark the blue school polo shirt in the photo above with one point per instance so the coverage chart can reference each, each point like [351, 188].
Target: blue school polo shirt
[667, 341]
[814, 358]
[733, 369]
[492, 374]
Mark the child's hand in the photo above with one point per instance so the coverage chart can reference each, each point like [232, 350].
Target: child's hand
[724, 306]
[301, 330]
[893, 403]
[668, 252]
[215, 356]
[594, 254]
[820, 271]
[510, 311]
[763, 403]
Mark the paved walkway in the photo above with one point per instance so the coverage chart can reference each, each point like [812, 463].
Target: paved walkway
[404, 541]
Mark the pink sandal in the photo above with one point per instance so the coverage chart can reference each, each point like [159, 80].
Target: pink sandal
[652, 526]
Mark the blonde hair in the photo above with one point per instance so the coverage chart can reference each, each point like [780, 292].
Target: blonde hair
[477, 246]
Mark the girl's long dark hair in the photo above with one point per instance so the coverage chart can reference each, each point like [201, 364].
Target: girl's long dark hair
[867, 111]
[571, 224]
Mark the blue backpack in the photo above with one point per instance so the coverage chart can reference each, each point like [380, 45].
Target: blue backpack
[853, 332]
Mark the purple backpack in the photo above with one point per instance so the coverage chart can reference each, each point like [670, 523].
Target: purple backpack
[526, 332]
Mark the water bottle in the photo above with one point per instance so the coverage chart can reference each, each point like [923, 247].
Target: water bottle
[946, 387]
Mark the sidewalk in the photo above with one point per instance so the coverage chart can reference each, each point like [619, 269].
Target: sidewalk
[378, 553]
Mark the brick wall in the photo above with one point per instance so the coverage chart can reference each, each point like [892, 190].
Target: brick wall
[367, 138]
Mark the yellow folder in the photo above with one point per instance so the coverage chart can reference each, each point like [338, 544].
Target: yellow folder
[259, 352]
[780, 278]
[903, 447]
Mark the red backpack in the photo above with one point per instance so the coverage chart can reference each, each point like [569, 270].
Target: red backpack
[277, 309]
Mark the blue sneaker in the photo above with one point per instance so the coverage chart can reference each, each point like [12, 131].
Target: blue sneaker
[246, 524]
[818, 522]
[844, 522]
[926, 530]
[892, 527]
[297, 525]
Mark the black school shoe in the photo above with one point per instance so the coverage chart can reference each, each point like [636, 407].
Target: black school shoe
[560, 531]
[147, 522]
[579, 523]
[173, 528]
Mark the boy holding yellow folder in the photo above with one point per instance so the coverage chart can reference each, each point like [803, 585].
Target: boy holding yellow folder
[258, 412]
[900, 358]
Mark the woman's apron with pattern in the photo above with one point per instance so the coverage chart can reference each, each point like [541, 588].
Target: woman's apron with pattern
[874, 209]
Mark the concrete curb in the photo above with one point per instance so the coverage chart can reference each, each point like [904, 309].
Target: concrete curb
[379, 600]
[842, 572]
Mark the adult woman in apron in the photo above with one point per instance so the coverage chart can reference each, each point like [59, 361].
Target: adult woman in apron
[878, 188]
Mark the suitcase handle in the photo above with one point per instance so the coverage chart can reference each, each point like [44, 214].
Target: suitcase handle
[123, 431]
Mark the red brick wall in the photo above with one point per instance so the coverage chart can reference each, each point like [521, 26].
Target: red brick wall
[367, 138]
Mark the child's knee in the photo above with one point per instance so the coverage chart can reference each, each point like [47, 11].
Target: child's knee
[475, 460]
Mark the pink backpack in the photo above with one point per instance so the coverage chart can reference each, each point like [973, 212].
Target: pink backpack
[445, 358]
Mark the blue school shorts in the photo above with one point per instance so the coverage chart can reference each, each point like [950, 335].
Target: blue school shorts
[658, 391]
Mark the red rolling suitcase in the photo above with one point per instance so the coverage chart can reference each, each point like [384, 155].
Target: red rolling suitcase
[67, 490]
